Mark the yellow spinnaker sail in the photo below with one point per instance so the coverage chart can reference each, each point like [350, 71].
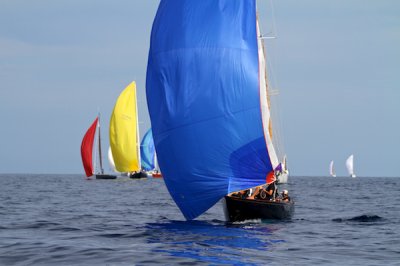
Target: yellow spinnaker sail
[124, 130]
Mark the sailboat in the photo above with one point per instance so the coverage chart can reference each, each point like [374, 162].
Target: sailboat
[124, 134]
[349, 166]
[157, 172]
[206, 91]
[331, 169]
[283, 173]
[87, 152]
[148, 155]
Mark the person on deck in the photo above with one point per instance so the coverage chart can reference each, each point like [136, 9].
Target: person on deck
[269, 192]
[265, 192]
[285, 196]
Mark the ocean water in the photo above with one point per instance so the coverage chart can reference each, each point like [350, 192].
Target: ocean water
[67, 220]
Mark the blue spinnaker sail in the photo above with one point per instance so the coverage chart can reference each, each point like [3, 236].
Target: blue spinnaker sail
[147, 151]
[203, 96]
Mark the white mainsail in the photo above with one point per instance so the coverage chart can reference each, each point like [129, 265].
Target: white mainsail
[265, 108]
[349, 165]
[270, 115]
[332, 170]
[111, 160]
[156, 166]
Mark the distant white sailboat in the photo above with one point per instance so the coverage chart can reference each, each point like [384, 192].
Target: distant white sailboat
[284, 173]
[349, 165]
[332, 170]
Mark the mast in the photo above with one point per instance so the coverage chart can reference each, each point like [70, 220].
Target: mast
[95, 150]
[138, 135]
[275, 119]
[99, 143]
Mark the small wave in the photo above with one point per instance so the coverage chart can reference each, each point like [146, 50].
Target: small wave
[217, 221]
[246, 222]
[366, 218]
[361, 218]
[95, 251]
[112, 235]
[38, 225]
[65, 229]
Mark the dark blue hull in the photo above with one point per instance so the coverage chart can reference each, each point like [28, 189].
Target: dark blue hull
[138, 175]
[102, 176]
[238, 209]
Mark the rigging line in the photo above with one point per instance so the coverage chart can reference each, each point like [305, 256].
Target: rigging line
[97, 146]
[273, 18]
[276, 109]
[271, 34]
[273, 83]
[94, 162]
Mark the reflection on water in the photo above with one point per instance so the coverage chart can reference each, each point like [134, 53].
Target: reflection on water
[215, 241]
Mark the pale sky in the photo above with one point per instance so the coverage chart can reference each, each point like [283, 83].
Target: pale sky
[336, 65]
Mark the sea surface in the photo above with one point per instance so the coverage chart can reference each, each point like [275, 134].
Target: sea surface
[67, 220]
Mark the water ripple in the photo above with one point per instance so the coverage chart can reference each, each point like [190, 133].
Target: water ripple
[66, 220]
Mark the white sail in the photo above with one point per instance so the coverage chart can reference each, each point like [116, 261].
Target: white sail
[111, 160]
[283, 175]
[100, 169]
[270, 116]
[349, 166]
[284, 164]
[332, 170]
[156, 166]
[265, 108]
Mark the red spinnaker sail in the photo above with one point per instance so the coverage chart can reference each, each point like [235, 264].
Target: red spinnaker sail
[87, 148]
[270, 177]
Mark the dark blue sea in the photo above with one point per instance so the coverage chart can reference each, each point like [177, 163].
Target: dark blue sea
[67, 220]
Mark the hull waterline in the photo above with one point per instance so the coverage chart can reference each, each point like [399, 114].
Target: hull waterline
[157, 175]
[138, 175]
[100, 176]
[237, 209]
